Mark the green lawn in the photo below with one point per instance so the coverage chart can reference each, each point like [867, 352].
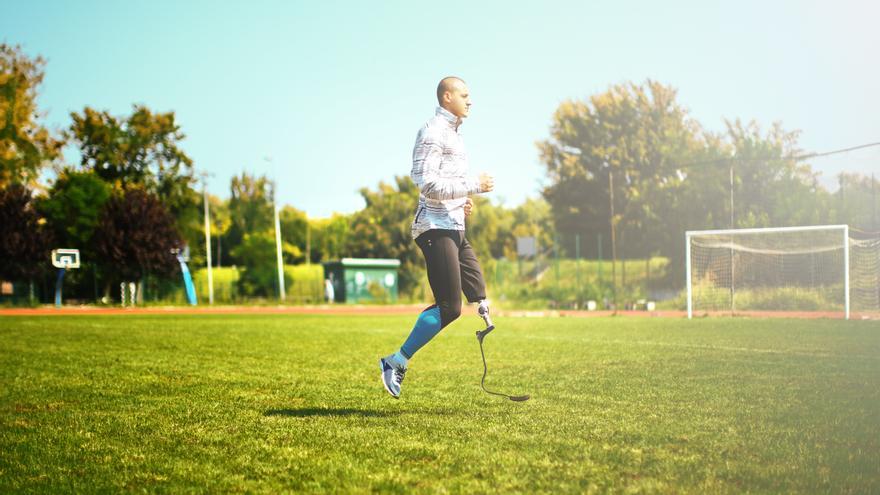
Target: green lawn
[290, 403]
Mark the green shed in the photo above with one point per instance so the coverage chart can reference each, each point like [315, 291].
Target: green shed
[360, 280]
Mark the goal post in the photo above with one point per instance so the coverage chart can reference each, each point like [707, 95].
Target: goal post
[802, 269]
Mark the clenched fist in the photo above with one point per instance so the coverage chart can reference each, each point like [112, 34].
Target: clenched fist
[468, 207]
[487, 182]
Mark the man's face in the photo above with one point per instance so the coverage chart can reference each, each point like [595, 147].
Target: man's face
[458, 99]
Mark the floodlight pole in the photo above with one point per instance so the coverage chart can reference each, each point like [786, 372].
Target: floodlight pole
[613, 240]
[308, 241]
[208, 240]
[846, 269]
[281, 293]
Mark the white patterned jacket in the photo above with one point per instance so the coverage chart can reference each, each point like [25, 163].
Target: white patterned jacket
[440, 167]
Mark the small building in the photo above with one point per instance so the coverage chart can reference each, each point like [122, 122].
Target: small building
[363, 280]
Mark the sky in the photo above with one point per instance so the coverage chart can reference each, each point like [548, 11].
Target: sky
[327, 97]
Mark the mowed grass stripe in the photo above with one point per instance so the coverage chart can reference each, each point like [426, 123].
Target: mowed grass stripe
[293, 403]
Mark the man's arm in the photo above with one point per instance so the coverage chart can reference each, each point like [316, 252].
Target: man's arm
[427, 155]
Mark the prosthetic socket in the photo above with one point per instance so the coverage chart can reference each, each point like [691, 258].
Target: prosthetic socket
[483, 311]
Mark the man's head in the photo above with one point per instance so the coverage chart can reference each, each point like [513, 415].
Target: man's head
[453, 95]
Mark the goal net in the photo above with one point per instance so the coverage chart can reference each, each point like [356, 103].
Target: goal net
[864, 272]
[797, 269]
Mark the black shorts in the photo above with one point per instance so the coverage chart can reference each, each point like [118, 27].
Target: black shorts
[452, 269]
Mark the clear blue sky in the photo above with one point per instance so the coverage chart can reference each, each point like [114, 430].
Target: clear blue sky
[334, 91]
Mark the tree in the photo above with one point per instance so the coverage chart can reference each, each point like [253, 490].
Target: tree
[857, 202]
[259, 270]
[220, 223]
[73, 208]
[330, 237]
[295, 233]
[250, 239]
[770, 188]
[136, 235]
[24, 239]
[142, 150]
[668, 174]
[489, 229]
[382, 229]
[533, 218]
[250, 211]
[25, 145]
[632, 135]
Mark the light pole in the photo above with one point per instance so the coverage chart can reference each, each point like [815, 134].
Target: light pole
[208, 237]
[281, 294]
[611, 222]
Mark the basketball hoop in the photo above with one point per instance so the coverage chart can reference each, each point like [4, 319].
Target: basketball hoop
[65, 259]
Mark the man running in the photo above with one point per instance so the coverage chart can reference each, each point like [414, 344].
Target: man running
[440, 167]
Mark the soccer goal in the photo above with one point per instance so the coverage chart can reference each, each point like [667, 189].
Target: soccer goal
[792, 269]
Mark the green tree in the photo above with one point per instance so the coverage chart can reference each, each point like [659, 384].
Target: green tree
[25, 144]
[250, 239]
[143, 150]
[857, 202]
[220, 223]
[250, 211]
[770, 188]
[382, 229]
[73, 208]
[489, 229]
[295, 232]
[634, 136]
[330, 237]
[258, 274]
[669, 175]
[533, 218]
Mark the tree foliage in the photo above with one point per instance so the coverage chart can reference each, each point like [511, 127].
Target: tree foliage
[25, 144]
[24, 239]
[258, 275]
[668, 174]
[857, 202]
[220, 223]
[382, 229]
[639, 135]
[330, 237]
[250, 210]
[141, 148]
[296, 233]
[136, 235]
[73, 207]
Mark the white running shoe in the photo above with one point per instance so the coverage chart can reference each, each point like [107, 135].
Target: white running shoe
[392, 375]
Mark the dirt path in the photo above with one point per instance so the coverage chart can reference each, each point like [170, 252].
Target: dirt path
[392, 310]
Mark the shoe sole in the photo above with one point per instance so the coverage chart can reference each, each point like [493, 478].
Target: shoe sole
[382, 368]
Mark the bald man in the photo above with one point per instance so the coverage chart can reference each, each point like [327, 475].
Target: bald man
[440, 170]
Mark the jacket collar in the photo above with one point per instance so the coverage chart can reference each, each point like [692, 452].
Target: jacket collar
[449, 117]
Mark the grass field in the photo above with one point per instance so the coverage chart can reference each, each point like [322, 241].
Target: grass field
[276, 403]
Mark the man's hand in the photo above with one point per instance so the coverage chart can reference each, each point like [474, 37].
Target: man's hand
[468, 207]
[487, 182]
